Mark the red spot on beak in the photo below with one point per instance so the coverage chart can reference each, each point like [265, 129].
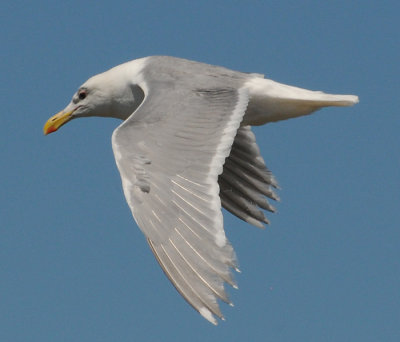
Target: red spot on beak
[51, 129]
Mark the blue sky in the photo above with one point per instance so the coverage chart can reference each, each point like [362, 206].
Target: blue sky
[73, 264]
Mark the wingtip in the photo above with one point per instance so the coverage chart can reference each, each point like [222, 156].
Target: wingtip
[206, 313]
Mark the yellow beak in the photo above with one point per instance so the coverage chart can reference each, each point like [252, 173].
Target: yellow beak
[56, 121]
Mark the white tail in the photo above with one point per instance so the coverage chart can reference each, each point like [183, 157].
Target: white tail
[272, 101]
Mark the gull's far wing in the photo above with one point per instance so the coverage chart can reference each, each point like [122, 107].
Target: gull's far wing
[246, 181]
[170, 152]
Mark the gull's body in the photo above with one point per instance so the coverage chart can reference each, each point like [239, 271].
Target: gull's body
[186, 147]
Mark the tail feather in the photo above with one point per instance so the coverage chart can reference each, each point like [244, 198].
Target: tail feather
[272, 101]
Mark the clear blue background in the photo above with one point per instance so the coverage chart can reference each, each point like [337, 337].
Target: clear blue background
[73, 264]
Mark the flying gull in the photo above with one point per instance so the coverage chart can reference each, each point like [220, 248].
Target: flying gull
[185, 147]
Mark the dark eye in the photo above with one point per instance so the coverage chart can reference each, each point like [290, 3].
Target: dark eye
[82, 94]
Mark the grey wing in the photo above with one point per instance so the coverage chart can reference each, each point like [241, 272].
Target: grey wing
[246, 181]
[169, 154]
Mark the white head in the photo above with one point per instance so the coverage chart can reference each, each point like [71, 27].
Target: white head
[110, 94]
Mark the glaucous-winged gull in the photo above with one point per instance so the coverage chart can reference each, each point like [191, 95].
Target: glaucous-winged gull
[185, 147]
